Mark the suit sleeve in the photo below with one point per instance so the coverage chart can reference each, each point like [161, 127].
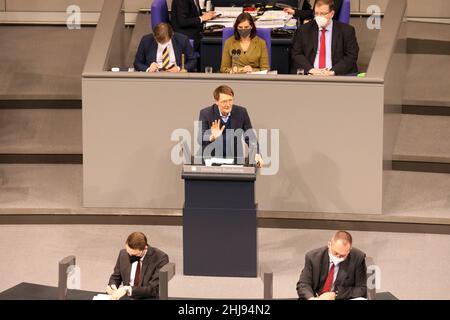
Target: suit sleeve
[152, 288]
[264, 58]
[305, 12]
[183, 18]
[305, 283]
[351, 50]
[140, 62]
[190, 60]
[116, 277]
[298, 52]
[225, 65]
[360, 288]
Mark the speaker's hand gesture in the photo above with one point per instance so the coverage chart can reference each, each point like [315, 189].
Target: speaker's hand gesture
[216, 130]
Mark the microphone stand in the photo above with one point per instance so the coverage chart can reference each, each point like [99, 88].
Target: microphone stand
[183, 69]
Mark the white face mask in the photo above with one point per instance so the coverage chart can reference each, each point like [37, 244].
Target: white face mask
[321, 21]
[335, 260]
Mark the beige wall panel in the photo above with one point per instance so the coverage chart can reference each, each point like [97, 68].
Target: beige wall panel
[61, 5]
[52, 5]
[2, 5]
[364, 4]
[429, 8]
[135, 5]
[354, 5]
[416, 8]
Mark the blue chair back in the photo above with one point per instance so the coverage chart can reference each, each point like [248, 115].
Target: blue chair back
[344, 15]
[159, 12]
[263, 33]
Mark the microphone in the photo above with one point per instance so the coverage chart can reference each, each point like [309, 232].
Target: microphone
[235, 53]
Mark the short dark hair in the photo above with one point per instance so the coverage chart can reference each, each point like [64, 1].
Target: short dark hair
[330, 3]
[244, 16]
[137, 241]
[345, 236]
[223, 89]
[163, 32]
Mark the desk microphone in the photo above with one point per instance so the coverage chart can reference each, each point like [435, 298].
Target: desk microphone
[235, 53]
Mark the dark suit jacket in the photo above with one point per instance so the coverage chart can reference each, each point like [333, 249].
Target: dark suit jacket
[307, 11]
[344, 51]
[185, 18]
[154, 260]
[146, 53]
[350, 281]
[239, 120]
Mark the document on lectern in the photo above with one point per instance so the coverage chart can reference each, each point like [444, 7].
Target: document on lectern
[101, 296]
[218, 161]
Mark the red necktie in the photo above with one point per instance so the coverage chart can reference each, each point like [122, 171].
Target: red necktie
[137, 276]
[329, 281]
[323, 51]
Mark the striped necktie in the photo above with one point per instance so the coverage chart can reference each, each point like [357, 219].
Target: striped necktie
[165, 58]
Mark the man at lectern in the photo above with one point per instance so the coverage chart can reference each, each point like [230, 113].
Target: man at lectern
[224, 125]
[137, 269]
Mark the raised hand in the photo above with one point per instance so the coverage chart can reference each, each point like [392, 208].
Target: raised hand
[216, 130]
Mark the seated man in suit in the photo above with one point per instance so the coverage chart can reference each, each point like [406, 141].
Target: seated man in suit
[163, 50]
[187, 18]
[220, 124]
[325, 47]
[305, 13]
[334, 272]
[137, 268]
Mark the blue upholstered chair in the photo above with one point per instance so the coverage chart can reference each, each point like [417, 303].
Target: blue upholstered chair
[344, 15]
[159, 12]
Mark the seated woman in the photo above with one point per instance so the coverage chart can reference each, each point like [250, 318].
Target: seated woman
[245, 51]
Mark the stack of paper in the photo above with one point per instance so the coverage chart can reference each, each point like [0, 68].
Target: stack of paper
[275, 15]
[228, 12]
